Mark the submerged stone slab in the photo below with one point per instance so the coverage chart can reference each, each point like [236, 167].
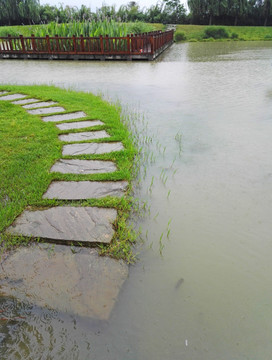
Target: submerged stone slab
[50, 110]
[12, 97]
[74, 166]
[92, 148]
[79, 282]
[79, 190]
[63, 117]
[84, 224]
[26, 101]
[87, 135]
[79, 125]
[39, 104]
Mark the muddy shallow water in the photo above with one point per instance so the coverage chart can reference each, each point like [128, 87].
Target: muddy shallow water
[208, 109]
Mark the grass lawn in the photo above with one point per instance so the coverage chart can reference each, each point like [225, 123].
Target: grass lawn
[29, 147]
[251, 33]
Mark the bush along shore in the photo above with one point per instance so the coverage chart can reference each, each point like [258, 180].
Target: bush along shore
[31, 143]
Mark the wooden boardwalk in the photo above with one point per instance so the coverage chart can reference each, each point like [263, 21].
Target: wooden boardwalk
[146, 46]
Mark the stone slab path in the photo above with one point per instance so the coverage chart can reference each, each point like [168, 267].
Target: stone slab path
[49, 110]
[12, 97]
[39, 104]
[90, 135]
[79, 190]
[91, 148]
[81, 283]
[64, 117]
[68, 223]
[65, 223]
[75, 166]
[79, 125]
[86, 284]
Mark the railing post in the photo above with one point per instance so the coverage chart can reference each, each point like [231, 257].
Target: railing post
[132, 43]
[81, 43]
[48, 44]
[128, 44]
[10, 42]
[107, 43]
[74, 44]
[152, 44]
[22, 43]
[57, 42]
[33, 43]
[101, 44]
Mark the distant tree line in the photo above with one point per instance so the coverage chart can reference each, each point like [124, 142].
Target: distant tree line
[218, 12]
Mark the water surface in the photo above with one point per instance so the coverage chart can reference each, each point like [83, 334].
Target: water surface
[209, 296]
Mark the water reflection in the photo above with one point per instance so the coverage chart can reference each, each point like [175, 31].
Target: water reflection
[217, 96]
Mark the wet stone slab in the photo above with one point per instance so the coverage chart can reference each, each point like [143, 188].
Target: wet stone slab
[50, 110]
[12, 97]
[40, 104]
[74, 166]
[79, 282]
[64, 117]
[83, 224]
[79, 125]
[91, 148]
[87, 135]
[3, 92]
[26, 101]
[79, 190]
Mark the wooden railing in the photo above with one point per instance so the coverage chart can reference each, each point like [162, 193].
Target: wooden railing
[139, 44]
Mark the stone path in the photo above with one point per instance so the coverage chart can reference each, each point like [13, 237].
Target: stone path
[78, 282]
[70, 223]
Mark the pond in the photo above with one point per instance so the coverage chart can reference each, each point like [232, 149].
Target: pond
[201, 288]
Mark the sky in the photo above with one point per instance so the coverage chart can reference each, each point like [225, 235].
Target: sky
[93, 4]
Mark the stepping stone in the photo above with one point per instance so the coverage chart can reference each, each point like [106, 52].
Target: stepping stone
[12, 97]
[3, 92]
[50, 110]
[79, 190]
[74, 166]
[79, 125]
[91, 148]
[26, 101]
[83, 224]
[64, 117]
[39, 105]
[90, 135]
[78, 282]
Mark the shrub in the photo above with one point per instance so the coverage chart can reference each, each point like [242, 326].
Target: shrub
[234, 35]
[216, 33]
[179, 36]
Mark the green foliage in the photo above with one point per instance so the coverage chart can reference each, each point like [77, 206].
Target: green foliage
[216, 33]
[139, 27]
[234, 35]
[179, 36]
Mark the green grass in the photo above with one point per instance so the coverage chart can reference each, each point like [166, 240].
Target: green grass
[29, 147]
[250, 33]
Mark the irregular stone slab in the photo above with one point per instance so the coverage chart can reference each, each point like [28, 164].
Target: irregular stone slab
[50, 110]
[3, 92]
[39, 104]
[79, 282]
[63, 117]
[84, 224]
[79, 125]
[12, 97]
[26, 101]
[91, 148]
[87, 135]
[79, 190]
[74, 166]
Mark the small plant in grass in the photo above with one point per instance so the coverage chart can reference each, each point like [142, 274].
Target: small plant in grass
[216, 33]
[179, 36]
[234, 36]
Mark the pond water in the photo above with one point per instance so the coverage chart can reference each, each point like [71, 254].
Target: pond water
[203, 292]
